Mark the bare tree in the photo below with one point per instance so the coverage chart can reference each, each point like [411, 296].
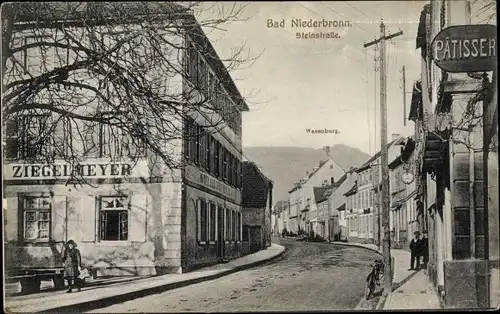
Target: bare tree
[487, 10]
[111, 79]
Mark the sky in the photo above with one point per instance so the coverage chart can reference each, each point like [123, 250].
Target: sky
[299, 84]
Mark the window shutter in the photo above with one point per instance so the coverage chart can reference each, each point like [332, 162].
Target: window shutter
[137, 218]
[11, 223]
[59, 228]
[88, 218]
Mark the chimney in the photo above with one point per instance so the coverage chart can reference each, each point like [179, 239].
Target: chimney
[332, 180]
[395, 136]
[307, 173]
[327, 150]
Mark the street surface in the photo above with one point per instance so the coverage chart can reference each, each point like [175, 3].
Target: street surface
[309, 276]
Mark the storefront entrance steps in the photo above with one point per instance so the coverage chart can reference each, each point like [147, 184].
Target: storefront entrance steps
[94, 296]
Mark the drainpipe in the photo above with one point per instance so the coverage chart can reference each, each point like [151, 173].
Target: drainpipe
[471, 194]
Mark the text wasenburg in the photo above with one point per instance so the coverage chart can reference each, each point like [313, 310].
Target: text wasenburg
[322, 131]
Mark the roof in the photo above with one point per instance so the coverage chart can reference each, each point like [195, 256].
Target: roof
[47, 14]
[341, 207]
[338, 198]
[366, 165]
[256, 186]
[321, 193]
[321, 164]
[352, 190]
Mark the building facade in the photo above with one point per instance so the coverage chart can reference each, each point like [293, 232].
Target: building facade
[362, 214]
[458, 170]
[132, 216]
[257, 204]
[301, 197]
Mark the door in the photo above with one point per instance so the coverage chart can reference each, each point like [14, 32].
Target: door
[220, 232]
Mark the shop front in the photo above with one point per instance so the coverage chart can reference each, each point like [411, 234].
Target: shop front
[122, 221]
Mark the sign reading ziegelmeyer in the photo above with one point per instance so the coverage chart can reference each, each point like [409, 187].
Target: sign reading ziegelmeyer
[466, 48]
[65, 170]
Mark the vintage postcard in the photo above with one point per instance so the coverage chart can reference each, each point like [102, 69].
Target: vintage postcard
[163, 156]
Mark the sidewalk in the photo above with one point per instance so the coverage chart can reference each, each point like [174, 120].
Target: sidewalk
[411, 289]
[115, 292]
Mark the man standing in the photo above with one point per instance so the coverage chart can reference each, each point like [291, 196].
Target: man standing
[425, 250]
[415, 247]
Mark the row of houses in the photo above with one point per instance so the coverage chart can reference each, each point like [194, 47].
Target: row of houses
[347, 209]
[443, 178]
[133, 217]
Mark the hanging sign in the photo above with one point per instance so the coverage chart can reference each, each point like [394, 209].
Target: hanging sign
[407, 177]
[466, 48]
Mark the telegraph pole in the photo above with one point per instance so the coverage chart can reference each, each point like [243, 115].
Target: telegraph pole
[404, 96]
[386, 247]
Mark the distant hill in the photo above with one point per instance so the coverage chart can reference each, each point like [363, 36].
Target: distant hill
[286, 165]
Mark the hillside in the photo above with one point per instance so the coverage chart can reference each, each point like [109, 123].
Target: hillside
[286, 165]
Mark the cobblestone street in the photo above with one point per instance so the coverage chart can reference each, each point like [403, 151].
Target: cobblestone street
[309, 276]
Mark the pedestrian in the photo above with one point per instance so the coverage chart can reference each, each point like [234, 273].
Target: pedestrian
[72, 262]
[425, 249]
[415, 247]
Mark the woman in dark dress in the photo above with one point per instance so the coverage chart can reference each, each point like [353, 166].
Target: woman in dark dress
[72, 262]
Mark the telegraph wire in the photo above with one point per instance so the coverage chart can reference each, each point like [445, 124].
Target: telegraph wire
[331, 9]
[358, 10]
[324, 17]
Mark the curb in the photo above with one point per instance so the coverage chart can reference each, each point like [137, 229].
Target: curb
[382, 301]
[357, 245]
[115, 299]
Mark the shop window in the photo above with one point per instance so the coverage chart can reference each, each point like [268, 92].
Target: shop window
[36, 218]
[114, 212]
[202, 221]
[213, 208]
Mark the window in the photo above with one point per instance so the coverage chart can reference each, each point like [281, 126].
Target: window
[11, 139]
[228, 224]
[35, 138]
[36, 218]
[245, 233]
[187, 138]
[208, 145]
[213, 151]
[213, 220]
[114, 142]
[198, 145]
[192, 64]
[217, 149]
[238, 227]
[113, 222]
[225, 157]
[234, 214]
[211, 88]
[202, 221]
[202, 75]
